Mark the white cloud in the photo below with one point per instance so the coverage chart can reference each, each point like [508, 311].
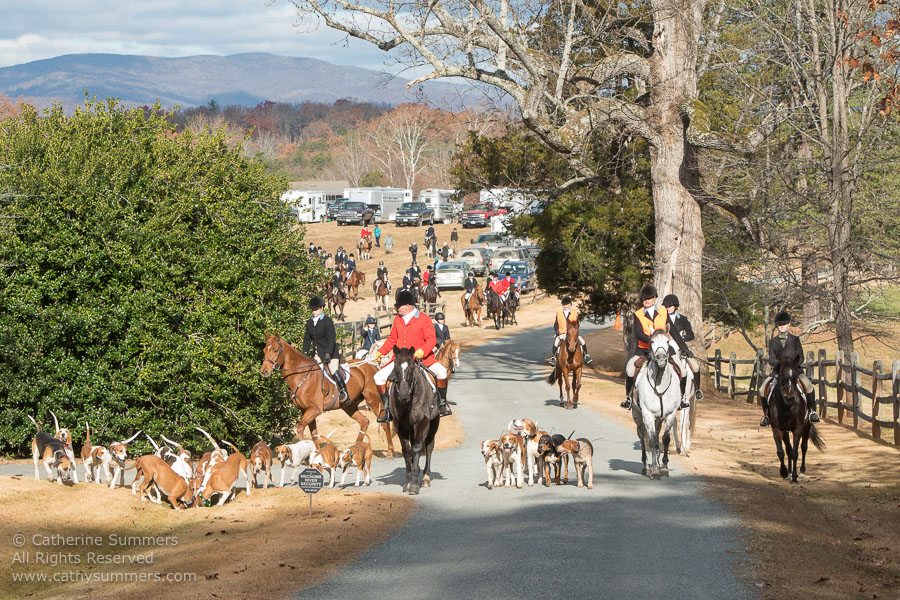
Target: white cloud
[41, 29]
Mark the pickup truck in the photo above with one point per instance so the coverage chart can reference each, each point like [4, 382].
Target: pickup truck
[334, 208]
[480, 216]
[414, 213]
[355, 213]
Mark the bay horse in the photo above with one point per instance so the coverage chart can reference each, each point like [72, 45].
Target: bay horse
[431, 292]
[416, 289]
[569, 362]
[380, 288]
[356, 279]
[787, 416]
[314, 395]
[472, 308]
[448, 356]
[494, 307]
[364, 247]
[416, 415]
[512, 304]
[336, 298]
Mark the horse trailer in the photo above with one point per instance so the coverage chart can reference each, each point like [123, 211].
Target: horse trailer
[384, 200]
[309, 205]
[441, 202]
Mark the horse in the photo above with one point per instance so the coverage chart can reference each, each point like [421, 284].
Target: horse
[448, 356]
[381, 294]
[428, 245]
[658, 397]
[336, 298]
[416, 415]
[431, 292]
[312, 394]
[364, 247]
[356, 279]
[416, 289]
[512, 304]
[570, 362]
[494, 307]
[787, 416]
[472, 308]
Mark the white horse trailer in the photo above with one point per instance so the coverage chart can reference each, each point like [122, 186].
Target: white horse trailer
[384, 200]
[308, 205]
[441, 202]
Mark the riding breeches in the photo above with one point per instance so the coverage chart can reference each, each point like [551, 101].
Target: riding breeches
[803, 380]
[561, 337]
[382, 375]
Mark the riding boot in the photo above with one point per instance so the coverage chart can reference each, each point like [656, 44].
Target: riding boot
[684, 403]
[764, 422]
[629, 387]
[342, 386]
[587, 357]
[385, 415]
[444, 406]
[553, 356]
[811, 405]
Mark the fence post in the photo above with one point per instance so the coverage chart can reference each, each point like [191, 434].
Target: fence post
[895, 392]
[754, 378]
[839, 383]
[876, 371]
[731, 373]
[718, 362]
[810, 359]
[823, 389]
[854, 382]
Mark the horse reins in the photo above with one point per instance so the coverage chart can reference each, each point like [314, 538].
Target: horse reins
[286, 374]
[658, 393]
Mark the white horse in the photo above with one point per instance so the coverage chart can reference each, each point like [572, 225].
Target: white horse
[658, 397]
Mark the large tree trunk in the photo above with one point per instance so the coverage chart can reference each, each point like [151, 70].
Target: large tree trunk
[673, 169]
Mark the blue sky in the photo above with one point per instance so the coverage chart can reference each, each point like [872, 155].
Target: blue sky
[38, 29]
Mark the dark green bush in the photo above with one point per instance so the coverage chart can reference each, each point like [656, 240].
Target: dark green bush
[140, 270]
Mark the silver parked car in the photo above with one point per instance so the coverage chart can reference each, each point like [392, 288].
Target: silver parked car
[501, 255]
[477, 259]
[451, 275]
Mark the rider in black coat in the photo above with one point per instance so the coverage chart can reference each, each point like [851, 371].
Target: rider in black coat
[441, 331]
[679, 328]
[788, 347]
[320, 340]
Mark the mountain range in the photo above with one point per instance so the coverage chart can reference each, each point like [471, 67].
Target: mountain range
[245, 79]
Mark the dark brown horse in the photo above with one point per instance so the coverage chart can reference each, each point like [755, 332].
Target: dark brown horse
[416, 416]
[431, 292]
[336, 299]
[313, 394]
[472, 308]
[570, 362]
[512, 305]
[380, 288]
[356, 279]
[495, 307]
[787, 416]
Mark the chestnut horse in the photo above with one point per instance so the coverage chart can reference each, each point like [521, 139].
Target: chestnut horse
[472, 308]
[335, 299]
[569, 361]
[381, 294]
[313, 394]
[364, 247]
[356, 279]
[448, 356]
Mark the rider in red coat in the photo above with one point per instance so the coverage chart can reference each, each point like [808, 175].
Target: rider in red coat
[411, 329]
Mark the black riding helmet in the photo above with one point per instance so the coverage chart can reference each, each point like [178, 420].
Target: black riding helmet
[783, 318]
[316, 302]
[670, 300]
[370, 320]
[648, 292]
[439, 316]
[471, 274]
[404, 297]
[565, 300]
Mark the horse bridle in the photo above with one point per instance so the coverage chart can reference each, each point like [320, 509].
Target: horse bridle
[659, 394]
[279, 362]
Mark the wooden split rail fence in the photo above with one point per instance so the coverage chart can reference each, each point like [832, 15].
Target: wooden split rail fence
[852, 397]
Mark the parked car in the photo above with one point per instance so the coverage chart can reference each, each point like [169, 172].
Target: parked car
[489, 240]
[355, 213]
[480, 216]
[501, 255]
[532, 251]
[414, 213]
[523, 272]
[477, 258]
[334, 208]
[451, 275]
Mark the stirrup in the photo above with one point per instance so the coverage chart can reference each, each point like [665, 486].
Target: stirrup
[698, 395]
[684, 404]
[765, 421]
[444, 408]
[813, 417]
[553, 361]
[587, 359]
[384, 416]
[626, 404]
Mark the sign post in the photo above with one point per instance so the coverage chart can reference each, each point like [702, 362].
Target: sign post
[311, 481]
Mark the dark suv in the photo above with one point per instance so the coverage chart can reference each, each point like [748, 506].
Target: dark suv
[414, 213]
[355, 213]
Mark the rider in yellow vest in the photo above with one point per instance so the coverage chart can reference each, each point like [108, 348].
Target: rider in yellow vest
[647, 319]
[566, 313]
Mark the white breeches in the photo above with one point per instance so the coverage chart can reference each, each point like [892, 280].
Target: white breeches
[361, 353]
[468, 295]
[562, 336]
[382, 375]
[629, 366]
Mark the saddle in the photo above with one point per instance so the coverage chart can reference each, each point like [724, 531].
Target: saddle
[639, 363]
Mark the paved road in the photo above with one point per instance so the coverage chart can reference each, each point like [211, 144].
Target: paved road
[629, 537]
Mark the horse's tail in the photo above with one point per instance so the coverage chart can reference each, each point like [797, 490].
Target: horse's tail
[551, 379]
[817, 440]
[692, 414]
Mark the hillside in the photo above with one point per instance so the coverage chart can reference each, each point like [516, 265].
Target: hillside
[245, 79]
